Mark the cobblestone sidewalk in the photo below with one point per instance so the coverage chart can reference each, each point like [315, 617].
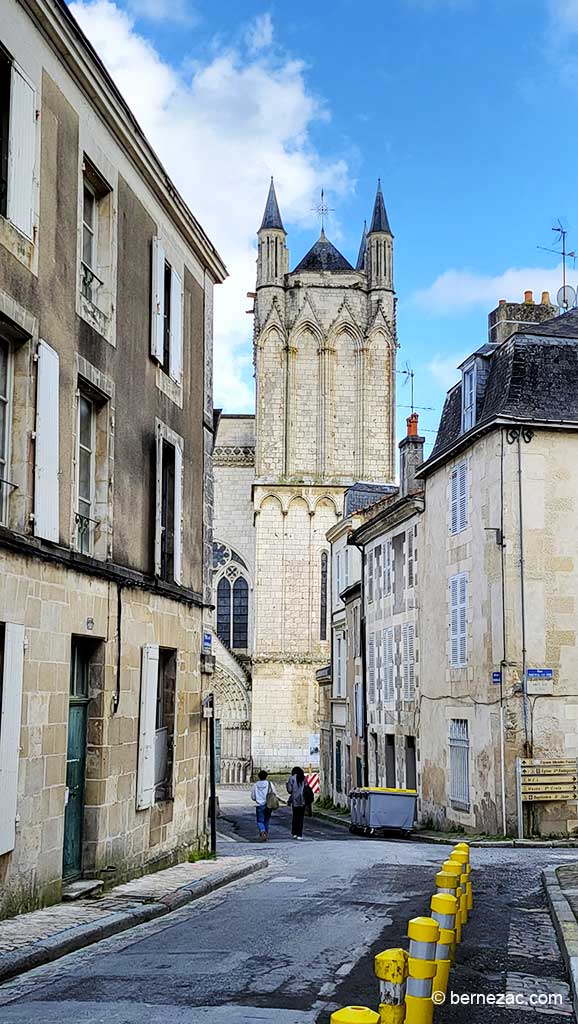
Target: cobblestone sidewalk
[32, 939]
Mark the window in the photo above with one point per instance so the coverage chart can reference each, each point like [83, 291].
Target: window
[370, 577]
[233, 610]
[358, 709]
[459, 498]
[410, 565]
[164, 723]
[169, 497]
[96, 249]
[5, 426]
[459, 620]
[156, 725]
[410, 763]
[17, 145]
[340, 664]
[377, 571]
[86, 474]
[371, 668]
[356, 632]
[323, 598]
[469, 397]
[459, 743]
[389, 664]
[46, 445]
[358, 772]
[387, 568]
[408, 661]
[390, 761]
[11, 678]
[337, 576]
[346, 556]
[167, 314]
[89, 278]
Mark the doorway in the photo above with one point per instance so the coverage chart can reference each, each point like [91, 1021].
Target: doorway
[390, 761]
[76, 757]
[410, 763]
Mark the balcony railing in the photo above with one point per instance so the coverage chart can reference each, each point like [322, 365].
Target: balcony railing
[85, 530]
[89, 282]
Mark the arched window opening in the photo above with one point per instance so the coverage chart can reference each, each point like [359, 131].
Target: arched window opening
[323, 609]
[224, 611]
[240, 612]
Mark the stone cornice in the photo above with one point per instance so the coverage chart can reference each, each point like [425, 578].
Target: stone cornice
[234, 455]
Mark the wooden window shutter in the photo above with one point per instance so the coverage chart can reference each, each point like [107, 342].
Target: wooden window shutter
[46, 464]
[462, 495]
[158, 501]
[145, 787]
[178, 539]
[21, 152]
[176, 340]
[371, 668]
[454, 622]
[463, 619]
[158, 300]
[409, 661]
[10, 720]
[454, 519]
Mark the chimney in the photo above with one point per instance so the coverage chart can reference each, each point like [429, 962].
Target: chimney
[509, 317]
[410, 458]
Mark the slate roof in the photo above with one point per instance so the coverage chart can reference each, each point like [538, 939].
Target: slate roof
[532, 378]
[362, 249]
[362, 495]
[324, 256]
[271, 216]
[379, 221]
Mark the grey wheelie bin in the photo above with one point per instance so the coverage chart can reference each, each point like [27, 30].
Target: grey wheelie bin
[375, 809]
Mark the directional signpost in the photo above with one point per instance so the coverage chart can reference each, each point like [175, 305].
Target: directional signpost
[544, 780]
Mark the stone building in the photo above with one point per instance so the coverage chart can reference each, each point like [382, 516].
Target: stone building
[389, 538]
[324, 352]
[498, 580]
[106, 283]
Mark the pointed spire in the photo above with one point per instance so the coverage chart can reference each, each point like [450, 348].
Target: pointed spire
[362, 249]
[379, 221]
[271, 216]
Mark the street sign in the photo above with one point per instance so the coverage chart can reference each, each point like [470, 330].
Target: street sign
[207, 641]
[496, 678]
[540, 673]
[545, 780]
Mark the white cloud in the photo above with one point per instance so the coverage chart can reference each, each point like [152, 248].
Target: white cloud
[444, 369]
[259, 35]
[221, 130]
[457, 290]
[163, 10]
[564, 15]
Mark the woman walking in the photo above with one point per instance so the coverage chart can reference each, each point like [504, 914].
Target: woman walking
[296, 786]
[265, 797]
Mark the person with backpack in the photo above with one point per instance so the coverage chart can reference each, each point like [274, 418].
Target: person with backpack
[265, 797]
[300, 799]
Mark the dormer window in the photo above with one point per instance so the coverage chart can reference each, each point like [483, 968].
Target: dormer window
[468, 397]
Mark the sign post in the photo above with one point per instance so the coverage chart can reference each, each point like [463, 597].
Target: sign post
[543, 780]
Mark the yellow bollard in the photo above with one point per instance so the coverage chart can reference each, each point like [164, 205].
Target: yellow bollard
[444, 910]
[463, 848]
[355, 1015]
[469, 896]
[446, 882]
[423, 933]
[391, 970]
[443, 960]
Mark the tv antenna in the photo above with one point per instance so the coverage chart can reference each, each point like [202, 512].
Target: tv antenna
[409, 375]
[566, 295]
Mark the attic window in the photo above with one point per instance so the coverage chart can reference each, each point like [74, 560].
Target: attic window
[468, 397]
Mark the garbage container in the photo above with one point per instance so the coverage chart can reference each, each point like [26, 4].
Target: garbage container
[377, 809]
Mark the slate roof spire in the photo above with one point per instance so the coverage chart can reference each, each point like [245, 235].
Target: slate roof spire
[362, 249]
[271, 216]
[324, 256]
[379, 221]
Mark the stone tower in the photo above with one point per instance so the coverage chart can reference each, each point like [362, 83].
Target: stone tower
[324, 350]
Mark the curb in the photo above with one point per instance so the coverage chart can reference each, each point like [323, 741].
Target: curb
[566, 927]
[72, 939]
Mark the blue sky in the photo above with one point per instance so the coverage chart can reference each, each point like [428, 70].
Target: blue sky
[465, 109]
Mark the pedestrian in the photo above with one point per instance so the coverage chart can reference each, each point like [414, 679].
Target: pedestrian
[265, 796]
[297, 788]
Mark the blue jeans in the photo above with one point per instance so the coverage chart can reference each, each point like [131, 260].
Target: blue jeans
[263, 815]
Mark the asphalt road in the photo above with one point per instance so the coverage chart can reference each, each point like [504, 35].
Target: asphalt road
[291, 943]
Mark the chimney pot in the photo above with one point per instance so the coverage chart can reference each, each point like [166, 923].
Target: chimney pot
[545, 298]
[528, 297]
[412, 425]
[502, 302]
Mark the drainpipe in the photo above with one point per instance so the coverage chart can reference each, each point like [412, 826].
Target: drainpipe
[527, 745]
[504, 639]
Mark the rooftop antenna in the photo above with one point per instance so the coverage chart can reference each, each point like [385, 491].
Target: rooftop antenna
[322, 210]
[565, 297]
[409, 375]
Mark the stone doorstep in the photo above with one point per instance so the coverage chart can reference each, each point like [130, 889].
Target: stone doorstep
[67, 927]
[565, 925]
[83, 889]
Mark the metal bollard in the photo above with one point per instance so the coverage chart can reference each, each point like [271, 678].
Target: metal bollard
[454, 867]
[391, 970]
[444, 910]
[354, 1015]
[446, 881]
[424, 935]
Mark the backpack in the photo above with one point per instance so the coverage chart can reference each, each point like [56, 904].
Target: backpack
[308, 795]
[272, 801]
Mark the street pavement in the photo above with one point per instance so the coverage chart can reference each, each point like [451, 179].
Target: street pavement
[294, 941]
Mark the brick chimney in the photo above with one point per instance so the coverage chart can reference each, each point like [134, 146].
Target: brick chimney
[410, 458]
[509, 317]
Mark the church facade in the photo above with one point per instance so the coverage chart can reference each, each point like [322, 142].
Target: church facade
[324, 356]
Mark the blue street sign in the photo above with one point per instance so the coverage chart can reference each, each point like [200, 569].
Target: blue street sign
[496, 678]
[207, 641]
[540, 673]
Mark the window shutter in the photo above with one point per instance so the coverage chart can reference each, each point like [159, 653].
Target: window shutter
[46, 482]
[10, 718]
[178, 541]
[409, 541]
[159, 502]
[463, 619]
[21, 152]
[463, 495]
[346, 555]
[145, 787]
[454, 624]
[387, 569]
[409, 661]
[379, 662]
[454, 527]
[359, 709]
[371, 668]
[370, 577]
[176, 346]
[459, 620]
[338, 575]
[158, 301]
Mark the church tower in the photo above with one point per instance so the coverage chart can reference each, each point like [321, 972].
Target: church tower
[324, 352]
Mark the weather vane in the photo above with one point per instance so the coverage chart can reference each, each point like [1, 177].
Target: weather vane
[322, 210]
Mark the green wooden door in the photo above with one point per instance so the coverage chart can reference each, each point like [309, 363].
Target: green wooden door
[75, 763]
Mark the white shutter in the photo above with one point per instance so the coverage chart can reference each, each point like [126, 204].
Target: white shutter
[46, 469]
[387, 568]
[409, 541]
[462, 495]
[463, 619]
[337, 576]
[176, 340]
[370, 577]
[408, 661]
[21, 152]
[346, 567]
[371, 668]
[454, 521]
[378, 664]
[145, 784]
[389, 694]
[378, 583]
[178, 540]
[10, 718]
[459, 620]
[359, 710]
[158, 301]
[454, 621]
[158, 501]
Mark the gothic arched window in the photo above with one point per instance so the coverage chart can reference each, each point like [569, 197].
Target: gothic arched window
[233, 612]
[224, 611]
[240, 612]
[323, 609]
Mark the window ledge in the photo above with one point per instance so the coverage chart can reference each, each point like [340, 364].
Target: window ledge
[18, 245]
[94, 316]
[169, 387]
